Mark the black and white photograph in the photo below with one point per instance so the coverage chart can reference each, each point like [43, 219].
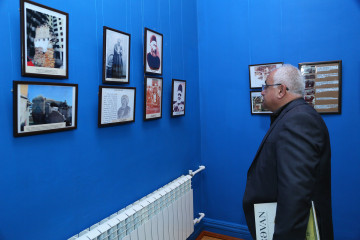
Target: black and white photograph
[153, 52]
[44, 41]
[259, 72]
[116, 56]
[44, 107]
[256, 101]
[116, 105]
[178, 94]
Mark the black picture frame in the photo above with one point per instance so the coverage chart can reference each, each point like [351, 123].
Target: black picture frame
[259, 72]
[178, 98]
[116, 56]
[256, 104]
[153, 52]
[153, 98]
[116, 105]
[44, 107]
[46, 28]
[323, 85]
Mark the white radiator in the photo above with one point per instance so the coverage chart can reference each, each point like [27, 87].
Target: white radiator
[166, 214]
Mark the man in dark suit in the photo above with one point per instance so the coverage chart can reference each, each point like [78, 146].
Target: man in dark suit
[292, 164]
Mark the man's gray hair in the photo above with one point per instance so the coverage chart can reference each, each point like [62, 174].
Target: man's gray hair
[291, 77]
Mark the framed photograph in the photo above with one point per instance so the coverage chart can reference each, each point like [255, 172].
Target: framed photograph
[178, 96]
[116, 56]
[41, 107]
[153, 52]
[44, 41]
[256, 101]
[116, 105]
[259, 72]
[323, 85]
[153, 98]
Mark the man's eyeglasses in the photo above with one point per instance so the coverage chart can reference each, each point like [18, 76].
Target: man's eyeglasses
[264, 87]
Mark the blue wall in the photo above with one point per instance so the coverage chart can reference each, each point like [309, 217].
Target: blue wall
[55, 185]
[234, 34]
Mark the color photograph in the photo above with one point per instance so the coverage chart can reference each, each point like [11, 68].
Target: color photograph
[44, 41]
[153, 98]
[257, 100]
[42, 107]
[259, 72]
[116, 56]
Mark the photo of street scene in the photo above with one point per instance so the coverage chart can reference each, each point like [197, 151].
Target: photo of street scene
[44, 107]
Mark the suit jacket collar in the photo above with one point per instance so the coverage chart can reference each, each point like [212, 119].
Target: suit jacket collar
[277, 113]
[282, 113]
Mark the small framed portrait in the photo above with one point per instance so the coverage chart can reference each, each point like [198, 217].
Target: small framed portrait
[323, 85]
[259, 72]
[116, 105]
[116, 56]
[178, 95]
[153, 52]
[44, 41]
[41, 107]
[153, 98]
[256, 103]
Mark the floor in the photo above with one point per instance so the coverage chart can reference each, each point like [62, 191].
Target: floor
[205, 235]
[210, 238]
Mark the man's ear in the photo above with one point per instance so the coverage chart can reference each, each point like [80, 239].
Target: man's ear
[281, 91]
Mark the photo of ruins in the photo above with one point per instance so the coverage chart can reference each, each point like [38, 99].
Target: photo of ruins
[45, 38]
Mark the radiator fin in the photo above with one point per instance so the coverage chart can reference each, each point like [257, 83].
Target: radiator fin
[166, 214]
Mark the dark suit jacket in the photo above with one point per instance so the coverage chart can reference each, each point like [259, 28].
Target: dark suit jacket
[292, 167]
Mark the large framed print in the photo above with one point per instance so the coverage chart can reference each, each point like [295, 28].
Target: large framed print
[256, 103]
[116, 56]
[178, 96]
[323, 85]
[259, 72]
[116, 105]
[153, 52]
[153, 98]
[44, 41]
[41, 107]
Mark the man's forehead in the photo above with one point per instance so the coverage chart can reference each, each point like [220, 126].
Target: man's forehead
[270, 77]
